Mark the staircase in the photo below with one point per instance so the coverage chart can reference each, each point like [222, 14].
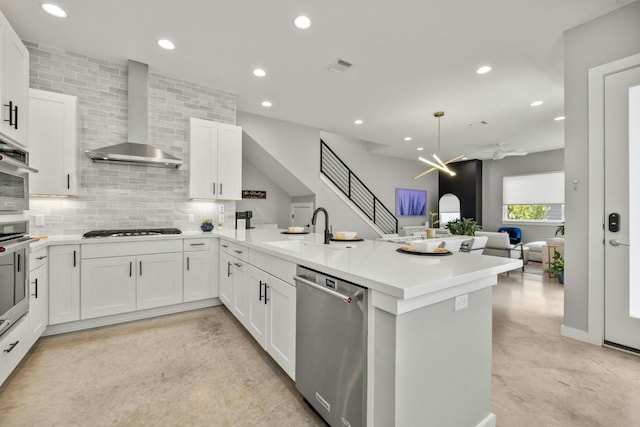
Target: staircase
[339, 174]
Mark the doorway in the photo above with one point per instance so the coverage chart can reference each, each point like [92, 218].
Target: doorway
[614, 136]
[301, 214]
[622, 204]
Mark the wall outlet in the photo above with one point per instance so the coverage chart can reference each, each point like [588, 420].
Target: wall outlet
[221, 208]
[462, 301]
[220, 218]
[192, 218]
[39, 219]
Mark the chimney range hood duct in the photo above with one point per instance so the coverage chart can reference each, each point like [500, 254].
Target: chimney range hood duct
[136, 151]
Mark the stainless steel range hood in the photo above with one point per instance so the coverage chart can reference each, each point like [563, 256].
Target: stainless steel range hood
[136, 151]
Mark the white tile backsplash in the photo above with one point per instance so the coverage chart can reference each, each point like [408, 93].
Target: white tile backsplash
[125, 196]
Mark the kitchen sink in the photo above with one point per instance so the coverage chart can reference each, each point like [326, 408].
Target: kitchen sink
[299, 245]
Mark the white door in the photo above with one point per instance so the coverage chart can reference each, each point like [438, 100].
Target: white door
[226, 282]
[107, 286]
[64, 284]
[281, 323]
[197, 275]
[229, 162]
[301, 214]
[622, 197]
[257, 280]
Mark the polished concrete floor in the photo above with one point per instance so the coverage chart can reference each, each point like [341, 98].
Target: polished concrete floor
[202, 369]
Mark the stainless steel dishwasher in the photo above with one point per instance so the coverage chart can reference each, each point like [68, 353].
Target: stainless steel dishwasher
[331, 346]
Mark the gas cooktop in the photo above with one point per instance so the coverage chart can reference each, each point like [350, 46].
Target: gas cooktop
[131, 232]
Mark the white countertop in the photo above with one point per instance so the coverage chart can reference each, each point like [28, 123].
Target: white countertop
[370, 263]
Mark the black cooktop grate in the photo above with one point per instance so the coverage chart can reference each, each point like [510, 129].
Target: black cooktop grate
[131, 232]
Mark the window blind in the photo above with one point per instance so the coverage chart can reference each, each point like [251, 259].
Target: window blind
[533, 189]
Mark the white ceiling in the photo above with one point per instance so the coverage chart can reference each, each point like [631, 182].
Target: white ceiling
[411, 58]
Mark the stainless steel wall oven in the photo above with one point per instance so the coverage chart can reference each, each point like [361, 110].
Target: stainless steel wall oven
[14, 277]
[14, 179]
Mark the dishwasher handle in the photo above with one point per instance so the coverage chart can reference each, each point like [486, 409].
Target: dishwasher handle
[346, 298]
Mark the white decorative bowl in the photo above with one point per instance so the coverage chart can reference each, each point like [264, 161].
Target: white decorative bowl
[295, 229]
[345, 235]
[424, 245]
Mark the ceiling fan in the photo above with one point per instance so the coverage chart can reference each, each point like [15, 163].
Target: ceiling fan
[500, 154]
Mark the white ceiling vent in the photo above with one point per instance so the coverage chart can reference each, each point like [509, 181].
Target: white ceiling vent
[340, 66]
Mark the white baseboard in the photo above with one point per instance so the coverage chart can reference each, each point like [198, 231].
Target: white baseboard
[490, 421]
[128, 317]
[576, 334]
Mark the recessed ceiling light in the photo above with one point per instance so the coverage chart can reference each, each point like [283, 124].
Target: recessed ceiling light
[483, 70]
[302, 22]
[419, 148]
[465, 158]
[166, 44]
[358, 122]
[559, 118]
[266, 104]
[407, 138]
[536, 103]
[259, 72]
[54, 10]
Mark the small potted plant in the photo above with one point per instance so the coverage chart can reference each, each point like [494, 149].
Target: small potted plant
[463, 227]
[556, 267]
[207, 225]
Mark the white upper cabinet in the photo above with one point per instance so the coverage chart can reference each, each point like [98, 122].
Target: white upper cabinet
[215, 170]
[53, 143]
[14, 86]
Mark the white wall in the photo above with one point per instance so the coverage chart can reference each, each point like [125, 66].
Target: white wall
[603, 40]
[492, 173]
[297, 148]
[275, 209]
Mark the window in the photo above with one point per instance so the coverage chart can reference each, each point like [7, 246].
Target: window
[533, 198]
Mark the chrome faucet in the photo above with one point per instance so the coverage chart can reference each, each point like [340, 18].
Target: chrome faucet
[327, 233]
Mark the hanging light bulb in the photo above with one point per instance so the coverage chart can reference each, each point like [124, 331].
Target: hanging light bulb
[439, 165]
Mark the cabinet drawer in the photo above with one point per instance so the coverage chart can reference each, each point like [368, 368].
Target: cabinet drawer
[234, 249]
[197, 244]
[14, 344]
[37, 258]
[284, 270]
[99, 250]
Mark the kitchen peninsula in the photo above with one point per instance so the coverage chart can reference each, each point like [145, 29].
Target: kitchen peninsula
[429, 317]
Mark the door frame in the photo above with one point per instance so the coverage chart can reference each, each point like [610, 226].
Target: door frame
[597, 75]
[298, 205]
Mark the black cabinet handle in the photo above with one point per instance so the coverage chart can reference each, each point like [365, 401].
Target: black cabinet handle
[12, 346]
[74, 258]
[220, 188]
[187, 263]
[10, 105]
[196, 244]
[265, 293]
[228, 269]
[40, 258]
[225, 246]
[238, 252]
[130, 268]
[140, 268]
[36, 285]
[260, 298]
[214, 188]
[237, 264]
[68, 181]
[18, 263]
[15, 123]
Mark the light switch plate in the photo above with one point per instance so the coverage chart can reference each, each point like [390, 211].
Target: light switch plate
[192, 218]
[39, 219]
[221, 218]
[221, 208]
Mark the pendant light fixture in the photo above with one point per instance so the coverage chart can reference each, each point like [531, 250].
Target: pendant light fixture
[439, 165]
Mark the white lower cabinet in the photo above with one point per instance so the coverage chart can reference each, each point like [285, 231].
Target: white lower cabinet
[272, 317]
[108, 286]
[225, 282]
[198, 265]
[159, 280]
[240, 291]
[14, 344]
[64, 284]
[38, 316]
